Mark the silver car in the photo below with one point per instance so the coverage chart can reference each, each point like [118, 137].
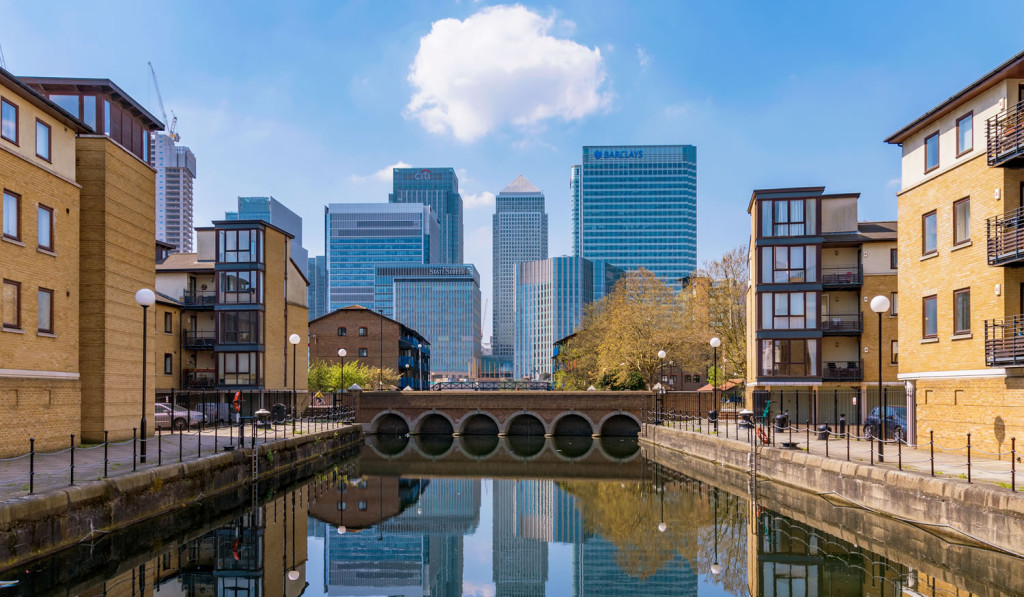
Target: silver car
[181, 419]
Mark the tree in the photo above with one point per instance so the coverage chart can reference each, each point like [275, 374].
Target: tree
[715, 299]
[328, 377]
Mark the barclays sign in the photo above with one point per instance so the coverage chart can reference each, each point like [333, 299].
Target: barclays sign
[604, 155]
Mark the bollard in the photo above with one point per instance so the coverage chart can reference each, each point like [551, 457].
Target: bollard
[105, 459]
[1013, 464]
[72, 459]
[31, 465]
[842, 425]
[968, 457]
[135, 444]
[931, 449]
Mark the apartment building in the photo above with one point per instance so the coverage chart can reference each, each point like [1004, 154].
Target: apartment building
[813, 339]
[961, 252]
[226, 312]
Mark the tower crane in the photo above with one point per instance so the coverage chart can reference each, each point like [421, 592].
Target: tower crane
[171, 132]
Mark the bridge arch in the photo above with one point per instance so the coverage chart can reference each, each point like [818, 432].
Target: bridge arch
[525, 447]
[390, 422]
[479, 423]
[389, 446]
[619, 449]
[525, 422]
[479, 447]
[573, 447]
[434, 423]
[572, 423]
[619, 424]
[433, 446]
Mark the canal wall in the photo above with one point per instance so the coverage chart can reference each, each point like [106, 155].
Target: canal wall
[35, 526]
[992, 515]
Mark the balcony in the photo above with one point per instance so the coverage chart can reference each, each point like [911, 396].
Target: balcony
[1004, 342]
[837, 324]
[1005, 236]
[199, 299]
[198, 340]
[1004, 134]
[842, 277]
[843, 371]
[193, 379]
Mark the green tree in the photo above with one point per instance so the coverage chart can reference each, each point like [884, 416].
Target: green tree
[330, 377]
[715, 300]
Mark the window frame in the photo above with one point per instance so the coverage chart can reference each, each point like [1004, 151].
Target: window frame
[937, 141]
[924, 316]
[49, 141]
[168, 363]
[894, 259]
[894, 352]
[364, 332]
[16, 324]
[168, 323]
[956, 221]
[960, 150]
[17, 216]
[42, 291]
[956, 295]
[924, 232]
[811, 221]
[342, 331]
[364, 352]
[894, 301]
[17, 121]
[49, 210]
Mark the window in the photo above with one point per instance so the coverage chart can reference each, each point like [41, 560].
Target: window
[929, 240]
[964, 134]
[168, 323]
[106, 117]
[962, 311]
[44, 311]
[362, 505]
[241, 287]
[894, 303]
[894, 351]
[240, 327]
[12, 216]
[930, 324]
[363, 352]
[68, 102]
[931, 152]
[962, 221]
[789, 264]
[9, 121]
[12, 305]
[789, 358]
[342, 331]
[789, 217]
[362, 331]
[43, 140]
[168, 363]
[239, 368]
[89, 110]
[789, 310]
[240, 246]
[894, 261]
[45, 228]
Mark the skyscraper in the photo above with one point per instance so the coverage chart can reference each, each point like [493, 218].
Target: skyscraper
[520, 233]
[274, 212]
[360, 236]
[438, 188]
[316, 294]
[636, 206]
[175, 170]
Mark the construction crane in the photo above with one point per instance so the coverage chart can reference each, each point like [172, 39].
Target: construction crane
[174, 118]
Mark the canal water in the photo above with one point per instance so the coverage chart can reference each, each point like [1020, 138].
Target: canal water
[501, 517]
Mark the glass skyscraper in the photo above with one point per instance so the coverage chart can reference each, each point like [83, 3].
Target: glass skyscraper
[316, 293]
[636, 206]
[520, 233]
[360, 236]
[441, 302]
[274, 212]
[438, 188]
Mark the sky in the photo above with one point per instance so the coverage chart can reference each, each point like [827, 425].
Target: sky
[314, 102]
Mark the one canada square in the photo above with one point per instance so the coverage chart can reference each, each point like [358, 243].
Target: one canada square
[635, 206]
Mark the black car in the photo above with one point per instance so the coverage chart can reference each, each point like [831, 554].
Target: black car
[895, 423]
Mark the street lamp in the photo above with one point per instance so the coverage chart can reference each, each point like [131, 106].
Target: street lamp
[145, 298]
[294, 339]
[661, 387]
[880, 304]
[419, 366]
[341, 353]
[715, 342]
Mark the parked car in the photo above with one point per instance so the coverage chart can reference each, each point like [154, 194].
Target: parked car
[895, 423]
[181, 419]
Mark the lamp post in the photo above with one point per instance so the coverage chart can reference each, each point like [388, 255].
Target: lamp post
[419, 366]
[294, 339]
[661, 387]
[341, 354]
[715, 342]
[145, 298]
[408, 377]
[880, 304]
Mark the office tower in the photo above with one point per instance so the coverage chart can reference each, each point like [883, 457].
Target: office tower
[438, 188]
[442, 302]
[360, 236]
[520, 233]
[551, 295]
[636, 206]
[175, 170]
[274, 212]
[316, 295]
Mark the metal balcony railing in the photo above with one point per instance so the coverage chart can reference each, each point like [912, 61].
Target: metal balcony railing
[1004, 342]
[199, 299]
[1005, 238]
[199, 378]
[1004, 135]
[198, 340]
[843, 371]
[842, 277]
[837, 323]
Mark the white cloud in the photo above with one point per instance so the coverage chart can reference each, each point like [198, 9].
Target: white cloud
[474, 200]
[383, 175]
[643, 57]
[501, 66]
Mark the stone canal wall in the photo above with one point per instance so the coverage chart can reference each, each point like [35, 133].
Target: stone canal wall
[38, 525]
[992, 515]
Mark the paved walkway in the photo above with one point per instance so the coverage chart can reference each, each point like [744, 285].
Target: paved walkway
[945, 461]
[48, 471]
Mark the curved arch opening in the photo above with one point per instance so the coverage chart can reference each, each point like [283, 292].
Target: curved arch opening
[573, 446]
[574, 425]
[620, 448]
[479, 424]
[525, 424]
[435, 424]
[479, 446]
[620, 426]
[389, 444]
[525, 446]
[433, 445]
[391, 424]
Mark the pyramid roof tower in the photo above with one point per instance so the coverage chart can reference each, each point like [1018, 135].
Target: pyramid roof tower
[522, 186]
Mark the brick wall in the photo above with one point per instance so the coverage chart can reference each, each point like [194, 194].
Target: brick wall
[325, 341]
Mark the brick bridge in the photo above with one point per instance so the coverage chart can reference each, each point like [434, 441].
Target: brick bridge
[502, 413]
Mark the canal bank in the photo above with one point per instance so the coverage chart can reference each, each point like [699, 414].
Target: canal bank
[37, 525]
[951, 509]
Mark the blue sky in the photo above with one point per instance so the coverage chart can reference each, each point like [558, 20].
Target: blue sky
[310, 102]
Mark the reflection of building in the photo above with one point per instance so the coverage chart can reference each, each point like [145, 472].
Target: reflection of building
[519, 564]
[597, 571]
[445, 506]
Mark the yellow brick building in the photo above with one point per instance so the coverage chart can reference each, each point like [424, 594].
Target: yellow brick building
[961, 251]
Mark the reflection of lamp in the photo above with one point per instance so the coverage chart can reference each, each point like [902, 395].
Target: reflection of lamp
[341, 500]
[293, 574]
[716, 568]
[661, 525]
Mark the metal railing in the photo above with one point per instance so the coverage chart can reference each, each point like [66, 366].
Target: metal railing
[491, 385]
[193, 299]
[843, 371]
[1004, 135]
[1005, 237]
[838, 277]
[1004, 341]
[199, 378]
[198, 340]
[839, 323]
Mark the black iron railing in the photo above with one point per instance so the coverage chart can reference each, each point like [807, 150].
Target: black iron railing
[193, 299]
[199, 378]
[1004, 341]
[848, 276]
[198, 340]
[843, 371]
[836, 323]
[1005, 237]
[1004, 134]
[491, 385]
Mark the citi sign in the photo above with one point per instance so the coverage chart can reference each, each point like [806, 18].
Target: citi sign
[636, 154]
[422, 175]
